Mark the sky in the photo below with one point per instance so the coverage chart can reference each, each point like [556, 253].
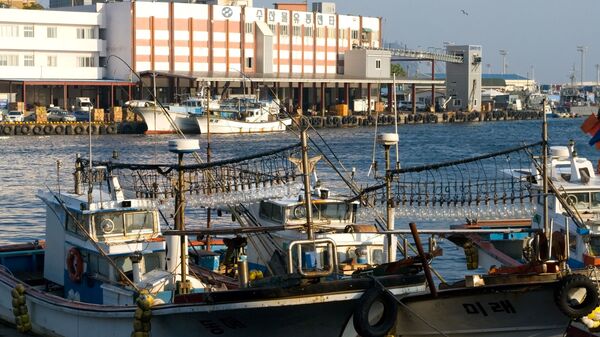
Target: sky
[540, 36]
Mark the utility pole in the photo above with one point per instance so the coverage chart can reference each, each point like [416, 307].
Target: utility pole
[582, 50]
[503, 53]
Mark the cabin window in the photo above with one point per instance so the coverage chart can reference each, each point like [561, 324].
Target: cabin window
[594, 245]
[152, 261]
[108, 224]
[270, 211]
[72, 224]
[579, 200]
[595, 199]
[333, 211]
[124, 264]
[139, 221]
[98, 265]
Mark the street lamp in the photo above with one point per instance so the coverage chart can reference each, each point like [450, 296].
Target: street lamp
[582, 50]
[503, 53]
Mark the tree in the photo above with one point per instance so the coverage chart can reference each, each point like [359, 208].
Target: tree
[398, 70]
[33, 5]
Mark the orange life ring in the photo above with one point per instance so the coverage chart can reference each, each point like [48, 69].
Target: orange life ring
[74, 265]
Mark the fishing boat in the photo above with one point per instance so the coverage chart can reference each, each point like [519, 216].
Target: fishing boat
[170, 118]
[243, 115]
[106, 268]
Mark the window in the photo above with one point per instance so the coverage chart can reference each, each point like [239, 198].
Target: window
[9, 31]
[28, 61]
[86, 61]
[296, 31]
[377, 64]
[457, 102]
[320, 32]
[331, 33]
[51, 32]
[284, 30]
[249, 27]
[308, 31]
[248, 62]
[9, 60]
[86, 33]
[28, 31]
[354, 35]
[343, 34]
[51, 61]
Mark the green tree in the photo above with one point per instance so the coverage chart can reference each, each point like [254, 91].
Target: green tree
[33, 5]
[398, 70]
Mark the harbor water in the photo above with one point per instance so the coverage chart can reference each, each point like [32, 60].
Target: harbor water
[29, 164]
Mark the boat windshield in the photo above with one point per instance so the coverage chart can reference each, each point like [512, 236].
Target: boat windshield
[323, 211]
[111, 224]
[584, 200]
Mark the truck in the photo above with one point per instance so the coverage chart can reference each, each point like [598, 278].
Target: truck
[82, 108]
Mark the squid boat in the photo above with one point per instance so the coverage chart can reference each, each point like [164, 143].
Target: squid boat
[171, 118]
[243, 115]
[106, 268]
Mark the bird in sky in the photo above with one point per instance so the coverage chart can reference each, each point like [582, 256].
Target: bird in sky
[464, 12]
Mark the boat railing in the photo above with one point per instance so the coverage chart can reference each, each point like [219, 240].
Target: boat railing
[306, 260]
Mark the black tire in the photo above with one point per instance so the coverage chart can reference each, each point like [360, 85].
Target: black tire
[78, 129]
[38, 130]
[7, 130]
[362, 308]
[59, 130]
[69, 130]
[25, 129]
[48, 129]
[574, 281]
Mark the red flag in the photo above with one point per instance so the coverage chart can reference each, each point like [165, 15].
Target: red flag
[591, 125]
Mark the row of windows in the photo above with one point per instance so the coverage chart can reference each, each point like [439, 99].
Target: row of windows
[51, 61]
[308, 31]
[51, 32]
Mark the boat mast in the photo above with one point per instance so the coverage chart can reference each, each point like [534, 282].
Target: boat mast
[306, 177]
[388, 140]
[208, 218]
[545, 174]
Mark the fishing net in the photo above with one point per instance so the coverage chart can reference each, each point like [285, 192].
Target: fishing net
[491, 186]
[228, 182]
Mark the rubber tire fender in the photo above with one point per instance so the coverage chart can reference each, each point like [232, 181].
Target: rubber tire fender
[48, 129]
[363, 306]
[7, 130]
[59, 129]
[574, 281]
[25, 129]
[38, 130]
[78, 129]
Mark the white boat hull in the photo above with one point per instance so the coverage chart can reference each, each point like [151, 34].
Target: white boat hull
[158, 122]
[294, 314]
[225, 126]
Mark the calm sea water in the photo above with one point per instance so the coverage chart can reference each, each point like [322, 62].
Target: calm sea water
[28, 164]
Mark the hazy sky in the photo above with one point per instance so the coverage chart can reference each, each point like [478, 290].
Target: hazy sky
[543, 34]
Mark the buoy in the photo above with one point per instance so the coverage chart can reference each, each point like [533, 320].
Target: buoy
[20, 311]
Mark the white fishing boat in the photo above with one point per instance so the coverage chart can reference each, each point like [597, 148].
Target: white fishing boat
[170, 119]
[243, 115]
[105, 269]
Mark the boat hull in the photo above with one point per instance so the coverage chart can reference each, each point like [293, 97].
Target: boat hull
[503, 310]
[157, 121]
[228, 126]
[294, 313]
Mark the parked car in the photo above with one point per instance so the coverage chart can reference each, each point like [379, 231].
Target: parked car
[15, 116]
[60, 115]
[81, 116]
[407, 106]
